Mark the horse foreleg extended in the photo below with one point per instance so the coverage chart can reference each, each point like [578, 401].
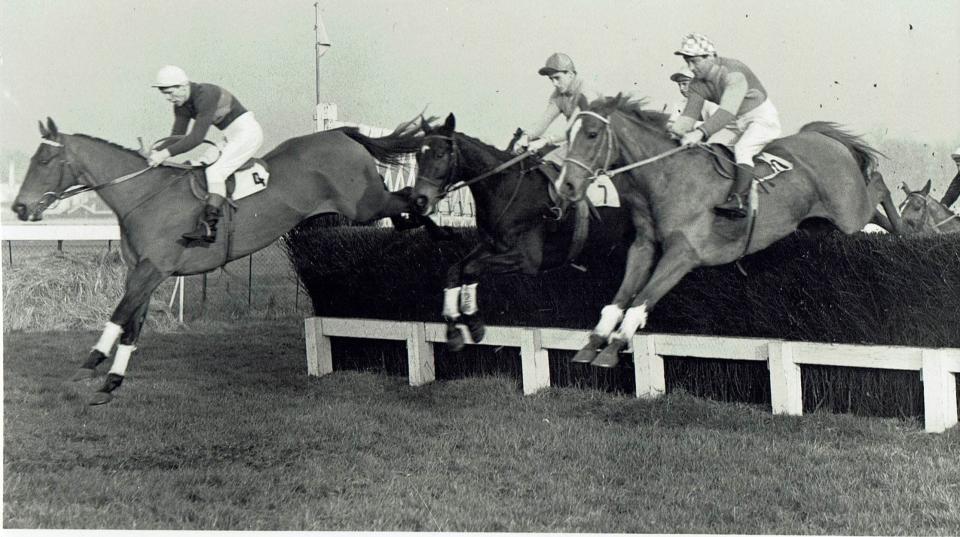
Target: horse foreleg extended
[142, 280]
[678, 259]
[892, 222]
[640, 258]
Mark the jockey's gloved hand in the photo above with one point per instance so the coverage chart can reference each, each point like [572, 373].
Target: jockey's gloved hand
[522, 143]
[693, 137]
[538, 144]
[681, 126]
[155, 158]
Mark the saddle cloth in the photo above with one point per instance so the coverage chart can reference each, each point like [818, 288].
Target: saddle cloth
[766, 165]
[601, 192]
[249, 179]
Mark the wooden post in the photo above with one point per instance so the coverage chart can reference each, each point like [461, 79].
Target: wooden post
[648, 368]
[939, 391]
[534, 362]
[319, 355]
[786, 392]
[420, 365]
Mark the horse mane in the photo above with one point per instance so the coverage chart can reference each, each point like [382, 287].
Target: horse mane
[500, 154]
[632, 108]
[109, 143]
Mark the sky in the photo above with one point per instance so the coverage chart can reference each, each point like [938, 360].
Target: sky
[883, 68]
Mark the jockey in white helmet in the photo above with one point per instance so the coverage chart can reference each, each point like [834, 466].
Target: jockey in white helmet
[206, 105]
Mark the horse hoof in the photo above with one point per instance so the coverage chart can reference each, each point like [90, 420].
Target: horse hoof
[100, 398]
[475, 326]
[83, 374]
[455, 341]
[584, 356]
[610, 356]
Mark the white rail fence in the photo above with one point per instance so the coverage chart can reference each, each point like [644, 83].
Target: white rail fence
[938, 367]
[80, 232]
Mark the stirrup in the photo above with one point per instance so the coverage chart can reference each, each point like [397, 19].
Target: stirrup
[205, 231]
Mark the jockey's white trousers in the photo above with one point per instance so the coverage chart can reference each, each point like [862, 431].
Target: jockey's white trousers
[242, 138]
[757, 128]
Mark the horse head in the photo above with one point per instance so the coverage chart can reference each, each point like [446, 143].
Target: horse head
[49, 174]
[921, 213]
[436, 165]
[589, 153]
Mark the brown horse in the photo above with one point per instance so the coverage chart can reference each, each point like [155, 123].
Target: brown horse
[921, 213]
[671, 193]
[325, 172]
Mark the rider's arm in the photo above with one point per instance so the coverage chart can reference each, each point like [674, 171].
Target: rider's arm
[550, 114]
[735, 88]
[206, 103]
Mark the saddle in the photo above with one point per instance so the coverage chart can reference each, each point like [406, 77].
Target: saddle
[249, 179]
[766, 165]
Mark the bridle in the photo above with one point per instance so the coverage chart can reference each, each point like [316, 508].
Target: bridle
[50, 198]
[610, 140]
[926, 211]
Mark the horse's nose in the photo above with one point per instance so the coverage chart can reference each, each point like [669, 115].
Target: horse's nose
[21, 210]
[420, 203]
[567, 190]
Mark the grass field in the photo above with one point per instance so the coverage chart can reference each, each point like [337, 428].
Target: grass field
[224, 430]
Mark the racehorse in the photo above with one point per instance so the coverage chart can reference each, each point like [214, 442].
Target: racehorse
[512, 215]
[921, 213]
[670, 192]
[325, 172]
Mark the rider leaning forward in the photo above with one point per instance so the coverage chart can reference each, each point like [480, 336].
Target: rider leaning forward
[744, 105]
[206, 105]
[568, 86]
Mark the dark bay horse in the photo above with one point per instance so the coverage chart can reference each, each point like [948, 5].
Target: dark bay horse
[921, 213]
[325, 172]
[670, 199]
[511, 203]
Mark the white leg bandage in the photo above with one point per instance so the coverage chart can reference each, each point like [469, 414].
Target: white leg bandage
[119, 366]
[469, 298]
[633, 320]
[451, 303]
[110, 334]
[610, 316]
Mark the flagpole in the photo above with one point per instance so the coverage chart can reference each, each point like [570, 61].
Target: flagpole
[316, 51]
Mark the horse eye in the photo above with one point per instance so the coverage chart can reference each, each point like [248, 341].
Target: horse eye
[593, 134]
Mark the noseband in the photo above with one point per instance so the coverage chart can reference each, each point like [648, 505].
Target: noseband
[610, 141]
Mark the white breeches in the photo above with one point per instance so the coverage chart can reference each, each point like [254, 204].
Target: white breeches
[757, 128]
[242, 139]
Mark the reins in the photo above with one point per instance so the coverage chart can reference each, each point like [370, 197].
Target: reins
[460, 184]
[49, 198]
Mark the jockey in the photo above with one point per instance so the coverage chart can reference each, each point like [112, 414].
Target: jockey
[743, 104]
[724, 136]
[953, 191]
[568, 87]
[207, 105]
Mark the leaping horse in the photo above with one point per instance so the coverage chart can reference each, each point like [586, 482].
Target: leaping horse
[670, 192]
[325, 172]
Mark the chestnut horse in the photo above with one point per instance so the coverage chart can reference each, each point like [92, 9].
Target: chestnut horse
[921, 213]
[670, 193]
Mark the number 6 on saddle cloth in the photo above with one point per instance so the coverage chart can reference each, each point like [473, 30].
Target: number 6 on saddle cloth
[249, 179]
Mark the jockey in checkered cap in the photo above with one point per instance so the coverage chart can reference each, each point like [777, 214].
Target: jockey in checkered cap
[744, 108]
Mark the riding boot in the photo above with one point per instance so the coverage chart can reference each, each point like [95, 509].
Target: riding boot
[206, 229]
[735, 206]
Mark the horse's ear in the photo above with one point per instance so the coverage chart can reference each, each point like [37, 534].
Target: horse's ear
[52, 127]
[582, 102]
[926, 188]
[451, 123]
[43, 130]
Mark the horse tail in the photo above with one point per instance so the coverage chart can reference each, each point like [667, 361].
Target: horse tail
[865, 155]
[389, 149]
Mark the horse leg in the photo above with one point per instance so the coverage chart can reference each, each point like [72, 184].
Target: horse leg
[640, 259]
[100, 352]
[877, 185]
[678, 259]
[142, 280]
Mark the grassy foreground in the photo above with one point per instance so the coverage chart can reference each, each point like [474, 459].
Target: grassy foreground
[225, 431]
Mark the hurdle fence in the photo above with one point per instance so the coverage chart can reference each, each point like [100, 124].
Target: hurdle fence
[938, 367]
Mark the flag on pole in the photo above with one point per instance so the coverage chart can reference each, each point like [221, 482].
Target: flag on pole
[323, 40]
